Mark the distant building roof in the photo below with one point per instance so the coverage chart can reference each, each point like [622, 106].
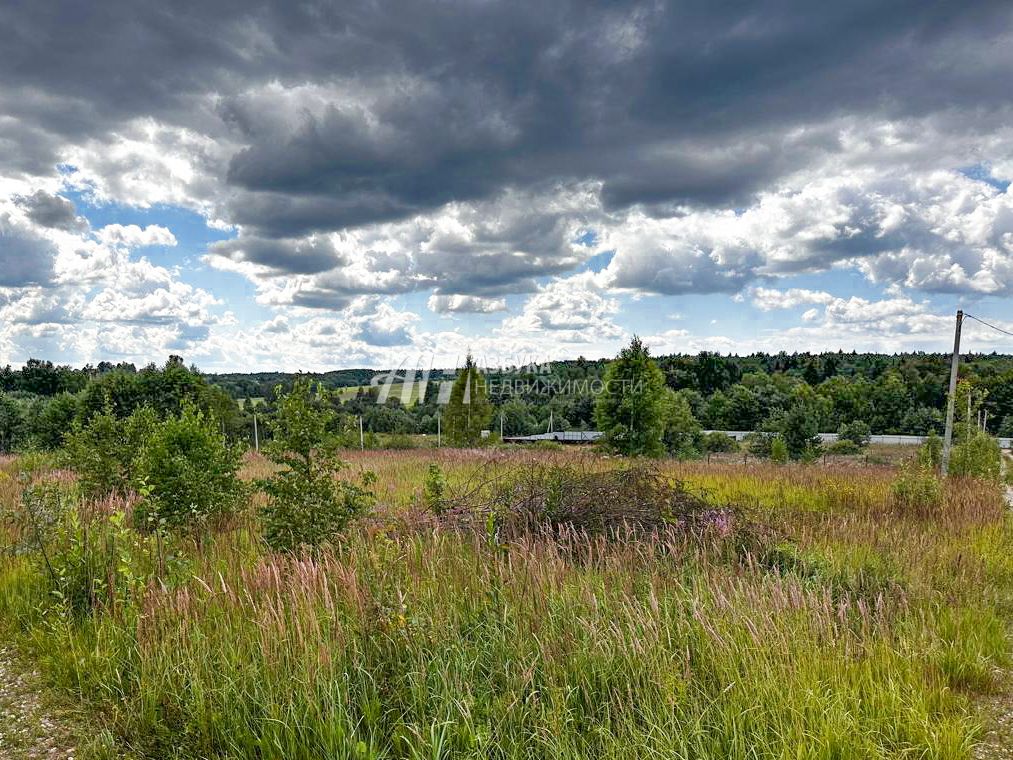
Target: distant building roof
[567, 436]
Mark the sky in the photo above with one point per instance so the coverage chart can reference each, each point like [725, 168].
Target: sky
[279, 185]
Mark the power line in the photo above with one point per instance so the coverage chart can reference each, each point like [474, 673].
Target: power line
[987, 324]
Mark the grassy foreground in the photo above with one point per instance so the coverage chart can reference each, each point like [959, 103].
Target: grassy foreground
[851, 631]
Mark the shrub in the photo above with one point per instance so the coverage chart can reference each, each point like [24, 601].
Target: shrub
[399, 441]
[434, 491]
[759, 443]
[857, 432]
[186, 472]
[844, 447]
[102, 451]
[917, 489]
[547, 445]
[864, 575]
[798, 427]
[14, 428]
[978, 456]
[716, 442]
[54, 418]
[779, 449]
[307, 506]
[930, 454]
[91, 560]
[681, 433]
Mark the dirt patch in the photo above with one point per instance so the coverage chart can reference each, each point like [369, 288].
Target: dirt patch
[30, 729]
[997, 714]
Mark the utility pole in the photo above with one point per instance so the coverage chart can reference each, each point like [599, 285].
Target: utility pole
[501, 426]
[256, 434]
[439, 431]
[952, 400]
[362, 439]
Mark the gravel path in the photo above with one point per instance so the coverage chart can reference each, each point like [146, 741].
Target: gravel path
[29, 729]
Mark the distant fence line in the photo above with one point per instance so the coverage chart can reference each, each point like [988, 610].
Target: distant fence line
[590, 436]
[894, 440]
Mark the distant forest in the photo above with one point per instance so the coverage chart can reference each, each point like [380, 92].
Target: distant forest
[903, 393]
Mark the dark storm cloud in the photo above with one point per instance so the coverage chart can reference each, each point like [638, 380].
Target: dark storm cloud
[52, 211]
[290, 256]
[25, 258]
[356, 112]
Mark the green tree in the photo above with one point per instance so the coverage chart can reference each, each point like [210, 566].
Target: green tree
[187, 472]
[54, 418]
[307, 506]
[779, 449]
[629, 409]
[468, 411]
[13, 424]
[798, 426]
[682, 434]
[856, 432]
[517, 418]
[103, 450]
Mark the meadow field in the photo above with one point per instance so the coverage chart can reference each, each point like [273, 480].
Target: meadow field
[774, 611]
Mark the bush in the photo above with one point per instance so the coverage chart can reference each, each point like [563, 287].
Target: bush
[718, 442]
[759, 444]
[54, 418]
[681, 434]
[857, 432]
[434, 490]
[930, 454]
[844, 447]
[103, 450]
[547, 445]
[91, 560]
[978, 456]
[307, 506]
[399, 441]
[917, 489]
[779, 450]
[865, 576]
[798, 427]
[186, 472]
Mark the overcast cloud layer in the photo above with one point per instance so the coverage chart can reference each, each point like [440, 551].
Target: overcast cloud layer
[315, 185]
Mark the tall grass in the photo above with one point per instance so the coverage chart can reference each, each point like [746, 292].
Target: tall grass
[857, 632]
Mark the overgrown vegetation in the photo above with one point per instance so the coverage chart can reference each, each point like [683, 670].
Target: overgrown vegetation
[488, 603]
[186, 473]
[307, 505]
[554, 606]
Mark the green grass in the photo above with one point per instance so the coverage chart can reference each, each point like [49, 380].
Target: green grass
[859, 633]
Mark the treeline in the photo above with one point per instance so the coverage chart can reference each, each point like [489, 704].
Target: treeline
[41, 403]
[244, 385]
[904, 393]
